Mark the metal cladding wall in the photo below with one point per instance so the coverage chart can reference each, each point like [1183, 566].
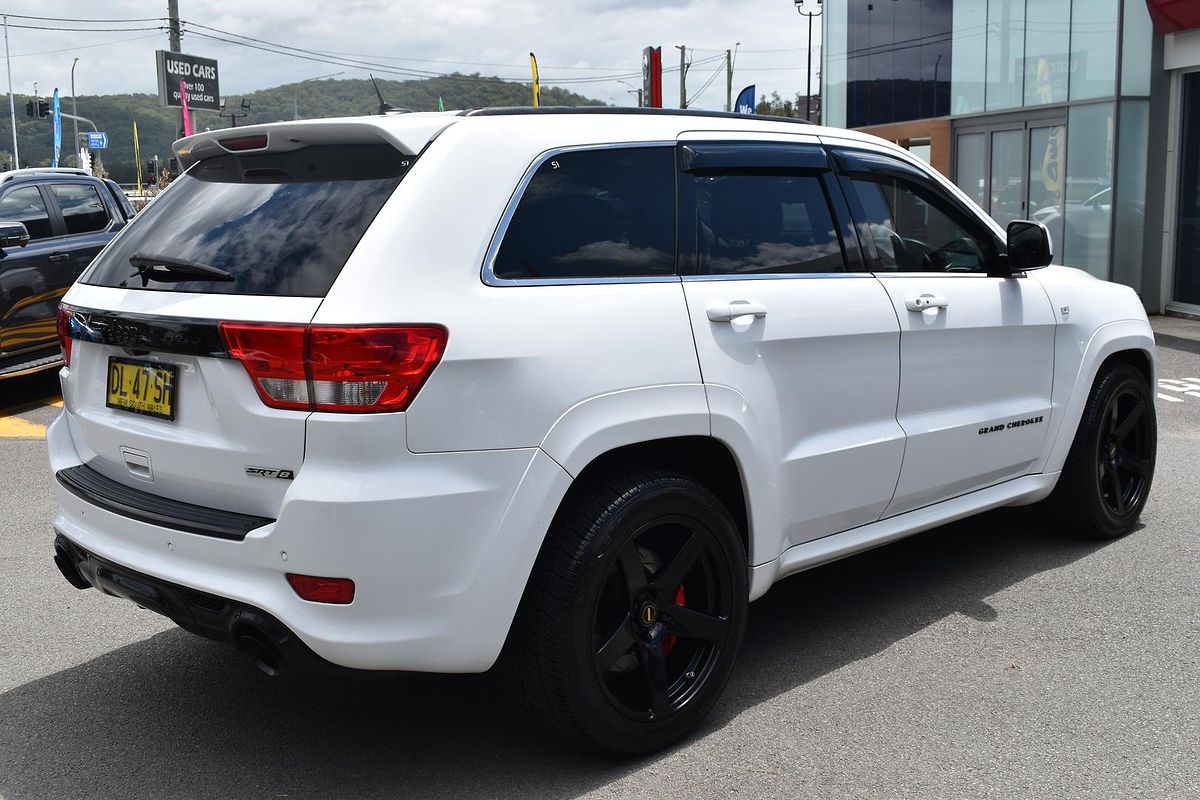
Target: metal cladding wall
[898, 61]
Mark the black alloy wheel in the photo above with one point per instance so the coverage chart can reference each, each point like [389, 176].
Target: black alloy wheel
[634, 613]
[1108, 472]
[662, 617]
[1124, 452]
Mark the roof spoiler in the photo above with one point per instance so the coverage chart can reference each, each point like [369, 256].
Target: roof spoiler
[282, 137]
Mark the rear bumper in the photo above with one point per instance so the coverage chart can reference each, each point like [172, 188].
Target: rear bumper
[439, 546]
[265, 639]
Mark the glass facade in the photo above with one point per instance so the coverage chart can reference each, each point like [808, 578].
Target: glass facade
[1049, 106]
[897, 63]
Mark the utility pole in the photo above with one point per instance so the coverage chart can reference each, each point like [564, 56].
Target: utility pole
[12, 108]
[682, 48]
[728, 81]
[75, 111]
[808, 73]
[173, 35]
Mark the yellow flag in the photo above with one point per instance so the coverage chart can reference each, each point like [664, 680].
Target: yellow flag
[537, 88]
[137, 157]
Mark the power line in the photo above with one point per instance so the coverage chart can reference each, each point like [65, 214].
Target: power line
[86, 46]
[72, 19]
[88, 30]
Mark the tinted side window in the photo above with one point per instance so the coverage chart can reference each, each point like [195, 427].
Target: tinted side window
[748, 222]
[25, 205]
[917, 229]
[594, 213]
[81, 207]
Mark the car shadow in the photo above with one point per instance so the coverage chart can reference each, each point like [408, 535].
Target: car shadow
[177, 716]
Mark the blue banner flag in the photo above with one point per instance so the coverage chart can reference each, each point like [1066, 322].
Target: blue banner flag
[745, 101]
[57, 130]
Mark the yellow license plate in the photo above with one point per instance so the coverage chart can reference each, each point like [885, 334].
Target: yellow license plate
[143, 387]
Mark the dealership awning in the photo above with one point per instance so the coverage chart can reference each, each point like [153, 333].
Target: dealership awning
[1174, 15]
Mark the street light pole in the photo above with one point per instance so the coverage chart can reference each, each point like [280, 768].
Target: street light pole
[74, 110]
[12, 108]
[296, 91]
[808, 75]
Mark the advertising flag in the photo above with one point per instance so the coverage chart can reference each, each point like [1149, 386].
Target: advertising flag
[441, 105]
[745, 101]
[187, 117]
[537, 87]
[57, 130]
[137, 157]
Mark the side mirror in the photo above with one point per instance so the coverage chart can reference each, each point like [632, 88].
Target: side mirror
[1028, 246]
[13, 234]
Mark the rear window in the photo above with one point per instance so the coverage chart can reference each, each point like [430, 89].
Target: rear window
[277, 223]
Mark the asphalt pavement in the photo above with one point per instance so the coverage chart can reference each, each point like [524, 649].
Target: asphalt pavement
[995, 657]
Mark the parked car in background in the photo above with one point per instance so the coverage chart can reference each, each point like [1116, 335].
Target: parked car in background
[53, 222]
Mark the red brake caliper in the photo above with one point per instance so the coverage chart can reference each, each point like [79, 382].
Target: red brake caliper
[669, 639]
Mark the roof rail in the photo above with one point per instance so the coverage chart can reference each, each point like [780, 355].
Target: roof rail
[654, 112]
[16, 173]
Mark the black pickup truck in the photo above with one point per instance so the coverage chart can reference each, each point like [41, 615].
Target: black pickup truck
[53, 222]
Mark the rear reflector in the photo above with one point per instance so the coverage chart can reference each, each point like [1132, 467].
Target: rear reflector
[64, 331]
[358, 369]
[244, 142]
[322, 590]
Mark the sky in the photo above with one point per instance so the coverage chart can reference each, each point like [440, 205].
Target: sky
[583, 45]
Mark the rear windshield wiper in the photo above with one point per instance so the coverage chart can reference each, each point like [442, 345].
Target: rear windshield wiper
[166, 269]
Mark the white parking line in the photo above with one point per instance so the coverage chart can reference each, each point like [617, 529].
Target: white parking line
[1169, 398]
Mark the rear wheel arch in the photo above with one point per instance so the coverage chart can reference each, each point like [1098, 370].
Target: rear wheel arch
[704, 459]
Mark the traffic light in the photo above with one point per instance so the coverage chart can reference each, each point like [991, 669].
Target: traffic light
[38, 108]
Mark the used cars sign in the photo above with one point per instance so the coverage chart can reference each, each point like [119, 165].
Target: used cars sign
[198, 74]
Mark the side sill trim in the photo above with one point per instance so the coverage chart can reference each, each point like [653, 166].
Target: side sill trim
[89, 485]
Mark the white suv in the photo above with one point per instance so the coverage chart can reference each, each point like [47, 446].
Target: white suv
[565, 390]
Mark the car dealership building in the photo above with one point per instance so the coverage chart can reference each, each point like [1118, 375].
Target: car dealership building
[1082, 114]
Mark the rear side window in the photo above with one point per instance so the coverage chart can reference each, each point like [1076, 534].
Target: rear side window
[25, 205]
[81, 207]
[751, 222]
[594, 214]
[277, 223]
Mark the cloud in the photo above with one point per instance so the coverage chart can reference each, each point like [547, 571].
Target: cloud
[573, 39]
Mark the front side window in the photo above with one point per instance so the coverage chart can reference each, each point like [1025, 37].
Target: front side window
[917, 229]
[594, 214]
[82, 209]
[752, 222]
[25, 205]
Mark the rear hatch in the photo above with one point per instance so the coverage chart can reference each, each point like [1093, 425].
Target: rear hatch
[186, 339]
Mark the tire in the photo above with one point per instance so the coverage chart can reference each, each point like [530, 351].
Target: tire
[1109, 469]
[633, 616]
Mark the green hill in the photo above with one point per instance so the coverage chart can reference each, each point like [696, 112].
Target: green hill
[157, 126]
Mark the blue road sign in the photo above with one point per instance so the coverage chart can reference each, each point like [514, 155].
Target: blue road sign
[97, 140]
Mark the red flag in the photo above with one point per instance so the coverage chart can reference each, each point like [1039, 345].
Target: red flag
[187, 118]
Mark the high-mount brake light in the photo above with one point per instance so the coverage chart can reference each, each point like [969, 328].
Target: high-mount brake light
[238, 143]
[357, 369]
[64, 331]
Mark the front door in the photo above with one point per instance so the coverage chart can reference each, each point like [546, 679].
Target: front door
[976, 352]
[798, 344]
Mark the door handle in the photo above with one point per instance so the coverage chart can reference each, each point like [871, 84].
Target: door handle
[925, 301]
[727, 312]
[58, 258]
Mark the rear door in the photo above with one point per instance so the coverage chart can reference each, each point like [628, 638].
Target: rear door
[796, 340]
[152, 397]
[86, 221]
[976, 351]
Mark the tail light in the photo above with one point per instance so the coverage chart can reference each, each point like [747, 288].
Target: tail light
[64, 331]
[326, 368]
